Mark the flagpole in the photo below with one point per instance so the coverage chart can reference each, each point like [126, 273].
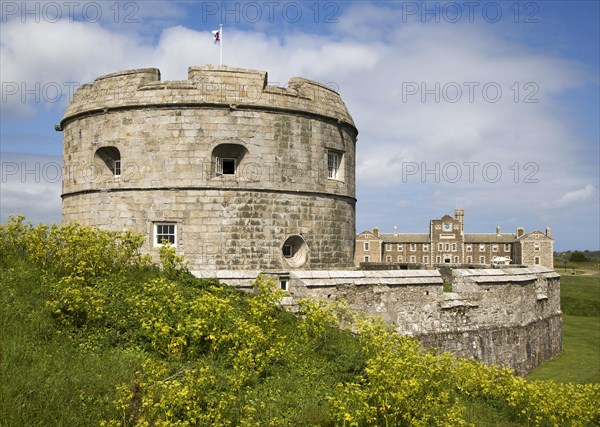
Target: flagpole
[221, 45]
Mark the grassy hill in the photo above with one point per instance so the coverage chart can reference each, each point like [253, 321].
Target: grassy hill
[93, 334]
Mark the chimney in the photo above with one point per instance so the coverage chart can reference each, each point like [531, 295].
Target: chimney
[376, 231]
[497, 230]
[520, 232]
[548, 233]
[395, 231]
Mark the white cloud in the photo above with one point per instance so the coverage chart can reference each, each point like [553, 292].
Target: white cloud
[572, 198]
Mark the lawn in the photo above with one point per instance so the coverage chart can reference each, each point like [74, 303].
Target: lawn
[580, 360]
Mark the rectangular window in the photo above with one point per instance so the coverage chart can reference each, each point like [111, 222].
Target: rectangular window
[453, 247]
[225, 166]
[287, 251]
[536, 260]
[469, 259]
[425, 247]
[440, 246]
[413, 259]
[165, 232]
[334, 161]
[438, 259]
[366, 246]
[469, 248]
[400, 247]
[400, 258]
[388, 247]
[366, 259]
[481, 248]
[506, 247]
[284, 283]
[117, 168]
[447, 246]
[413, 247]
[455, 260]
[481, 260]
[536, 246]
[425, 259]
[494, 248]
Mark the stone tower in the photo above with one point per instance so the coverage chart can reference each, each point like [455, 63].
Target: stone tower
[237, 174]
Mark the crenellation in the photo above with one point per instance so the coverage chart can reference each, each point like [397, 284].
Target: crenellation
[231, 89]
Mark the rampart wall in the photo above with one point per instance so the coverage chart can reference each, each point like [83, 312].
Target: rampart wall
[508, 317]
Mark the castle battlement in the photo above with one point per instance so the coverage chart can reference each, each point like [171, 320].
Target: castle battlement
[227, 87]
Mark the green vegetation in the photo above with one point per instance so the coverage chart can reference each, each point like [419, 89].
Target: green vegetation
[95, 334]
[578, 256]
[579, 361]
[580, 295]
[565, 264]
[591, 256]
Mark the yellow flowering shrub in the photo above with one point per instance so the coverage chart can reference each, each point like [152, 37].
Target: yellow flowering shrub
[219, 357]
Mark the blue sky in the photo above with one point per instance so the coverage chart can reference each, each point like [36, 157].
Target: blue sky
[488, 106]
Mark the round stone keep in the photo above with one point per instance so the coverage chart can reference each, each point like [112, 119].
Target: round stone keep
[235, 173]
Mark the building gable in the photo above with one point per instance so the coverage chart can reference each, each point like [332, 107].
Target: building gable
[535, 235]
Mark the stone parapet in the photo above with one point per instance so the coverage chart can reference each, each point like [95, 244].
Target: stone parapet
[228, 87]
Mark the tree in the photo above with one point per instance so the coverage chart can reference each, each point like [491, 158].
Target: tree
[578, 256]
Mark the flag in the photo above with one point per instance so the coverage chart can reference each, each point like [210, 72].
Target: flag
[217, 36]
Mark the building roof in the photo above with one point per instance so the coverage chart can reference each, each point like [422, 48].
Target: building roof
[405, 237]
[537, 234]
[489, 238]
[368, 233]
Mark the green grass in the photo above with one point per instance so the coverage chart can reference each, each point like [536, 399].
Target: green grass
[488, 414]
[580, 295]
[579, 361]
[46, 380]
[572, 268]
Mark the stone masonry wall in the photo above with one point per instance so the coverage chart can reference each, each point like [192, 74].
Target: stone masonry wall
[227, 229]
[509, 317]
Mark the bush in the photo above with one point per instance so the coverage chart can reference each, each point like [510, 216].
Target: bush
[578, 256]
[217, 357]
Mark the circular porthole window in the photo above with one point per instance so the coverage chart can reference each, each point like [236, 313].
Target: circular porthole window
[295, 251]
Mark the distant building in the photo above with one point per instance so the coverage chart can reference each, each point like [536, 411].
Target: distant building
[447, 243]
